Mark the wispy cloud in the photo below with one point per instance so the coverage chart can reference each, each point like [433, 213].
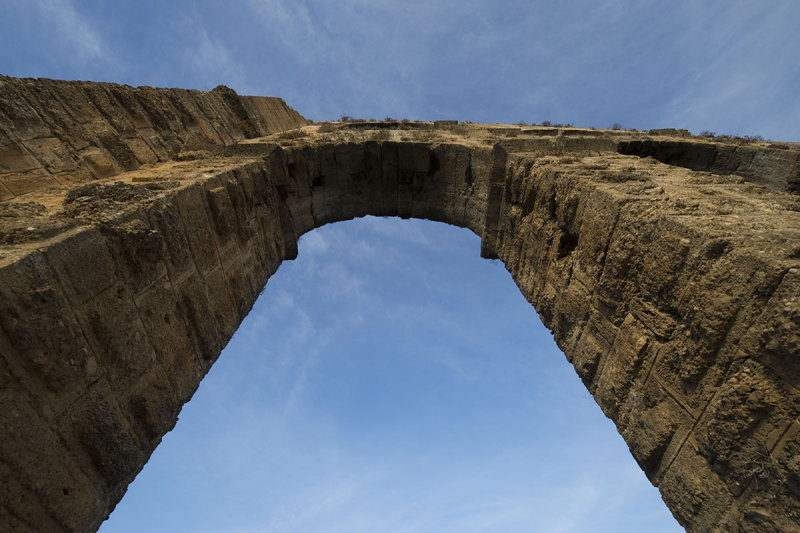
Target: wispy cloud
[76, 34]
[205, 56]
[291, 24]
[740, 81]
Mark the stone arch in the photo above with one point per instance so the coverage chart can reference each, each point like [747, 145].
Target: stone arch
[672, 291]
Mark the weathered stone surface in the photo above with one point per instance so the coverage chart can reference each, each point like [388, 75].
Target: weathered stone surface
[138, 226]
[54, 132]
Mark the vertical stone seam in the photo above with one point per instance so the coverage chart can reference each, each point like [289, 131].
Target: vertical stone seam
[21, 142]
[494, 201]
[748, 489]
[67, 141]
[68, 307]
[173, 201]
[174, 284]
[691, 412]
[691, 433]
[757, 318]
[105, 374]
[16, 367]
[382, 207]
[60, 284]
[204, 115]
[113, 95]
[202, 193]
[215, 237]
[150, 340]
[226, 178]
[42, 505]
[780, 441]
[5, 190]
[106, 118]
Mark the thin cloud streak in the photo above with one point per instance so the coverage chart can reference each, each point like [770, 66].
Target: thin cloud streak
[76, 33]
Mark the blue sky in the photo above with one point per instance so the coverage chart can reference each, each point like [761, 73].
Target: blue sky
[728, 66]
[389, 379]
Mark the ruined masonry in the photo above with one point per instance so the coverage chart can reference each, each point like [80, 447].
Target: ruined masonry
[138, 226]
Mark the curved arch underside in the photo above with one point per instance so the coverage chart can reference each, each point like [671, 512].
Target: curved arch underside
[673, 292]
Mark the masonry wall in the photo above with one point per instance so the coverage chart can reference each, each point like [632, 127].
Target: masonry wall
[673, 292]
[108, 331]
[682, 326]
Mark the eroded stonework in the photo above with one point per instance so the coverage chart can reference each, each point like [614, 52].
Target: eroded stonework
[138, 226]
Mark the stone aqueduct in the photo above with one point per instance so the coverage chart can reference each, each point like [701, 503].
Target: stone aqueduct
[139, 225]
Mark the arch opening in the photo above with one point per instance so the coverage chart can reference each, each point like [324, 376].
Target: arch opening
[430, 398]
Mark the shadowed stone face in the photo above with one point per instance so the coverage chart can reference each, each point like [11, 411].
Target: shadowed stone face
[139, 225]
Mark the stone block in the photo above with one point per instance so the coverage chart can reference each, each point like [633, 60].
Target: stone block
[774, 338]
[390, 173]
[373, 176]
[153, 409]
[740, 426]
[5, 194]
[243, 284]
[115, 333]
[660, 325]
[202, 243]
[138, 251]
[271, 249]
[697, 497]
[302, 215]
[142, 151]
[242, 208]
[352, 180]
[714, 315]
[474, 210]
[327, 191]
[597, 224]
[83, 264]
[20, 509]
[589, 350]
[319, 207]
[31, 303]
[413, 160]
[165, 323]
[28, 182]
[655, 426]
[302, 168]
[99, 162]
[571, 314]
[618, 281]
[16, 158]
[165, 218]
[223, 304]
[202, 307]
[49, 470]
[51, 153]
[222, 215]
[99, 438]
[626, 365]
[5, 352]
